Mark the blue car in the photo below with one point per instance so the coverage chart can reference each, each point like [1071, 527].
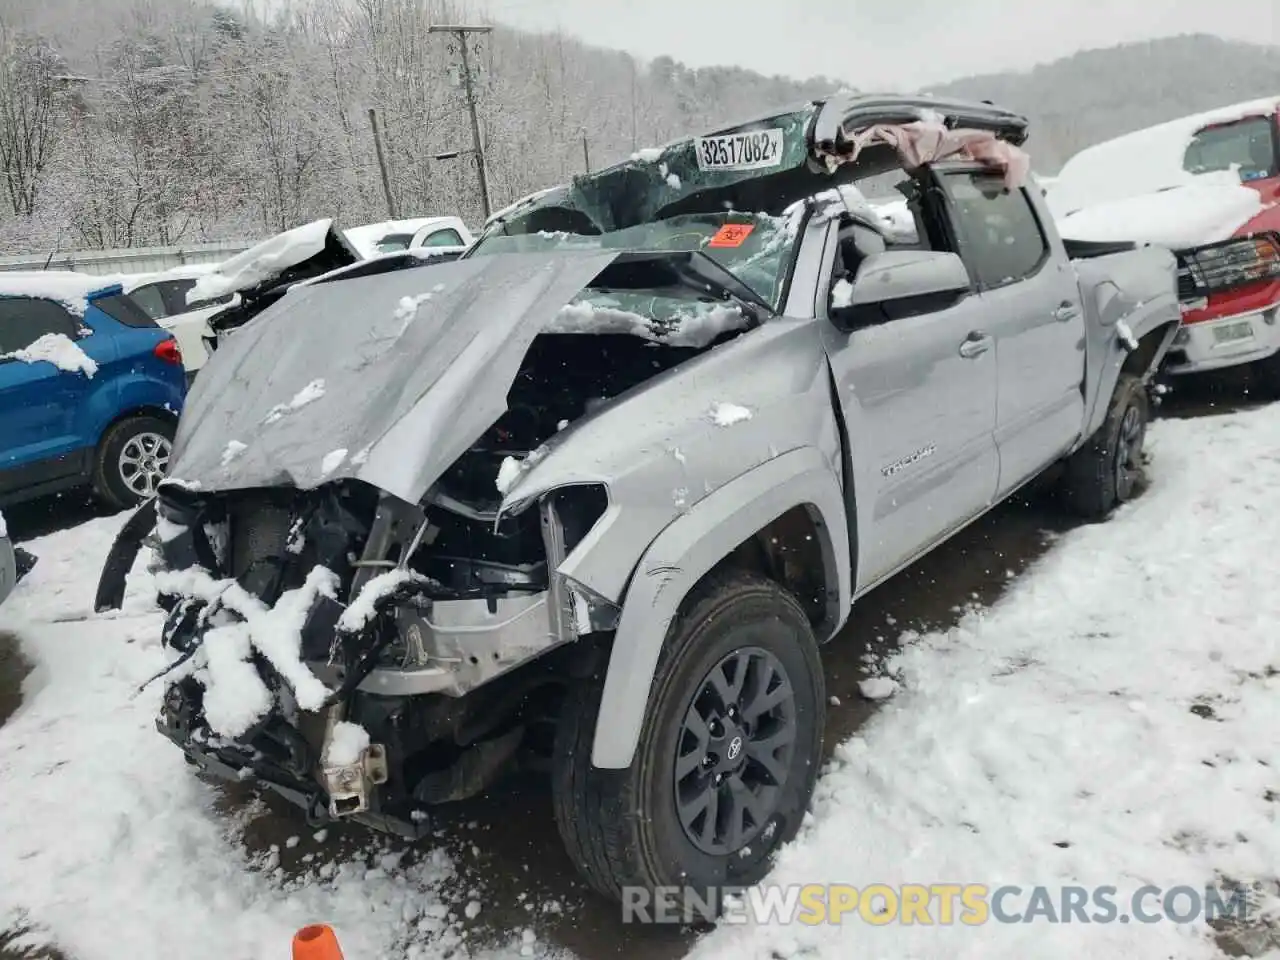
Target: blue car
[90, 390]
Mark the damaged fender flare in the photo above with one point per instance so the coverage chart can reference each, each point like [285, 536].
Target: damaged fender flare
[124, 551]
[687, 550]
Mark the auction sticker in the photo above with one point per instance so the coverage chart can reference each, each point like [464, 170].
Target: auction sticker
[731, 235]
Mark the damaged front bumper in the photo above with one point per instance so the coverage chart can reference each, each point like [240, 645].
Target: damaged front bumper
[432, 680]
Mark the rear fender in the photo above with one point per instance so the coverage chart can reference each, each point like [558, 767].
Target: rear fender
[688, 549]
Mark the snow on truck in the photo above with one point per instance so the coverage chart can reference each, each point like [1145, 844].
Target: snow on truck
[1207, 187]
[592, 495]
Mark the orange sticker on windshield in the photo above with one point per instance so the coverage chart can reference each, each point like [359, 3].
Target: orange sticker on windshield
[731, 235]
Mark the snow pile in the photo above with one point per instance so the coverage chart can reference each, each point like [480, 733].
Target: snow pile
[312, 392]
[262, 262]
[362, 609]
[59, 350]
[235, 696]
[347, 744]
[727, 414]
[695, 327]
[69, 289]
[1182, 216]
[647, 155]
[842, 294]
[1112, 720]
[508, 472]
[878, 688]
[234, 449]
[511, 470]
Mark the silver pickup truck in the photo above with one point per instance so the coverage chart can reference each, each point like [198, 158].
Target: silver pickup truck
[593, 495]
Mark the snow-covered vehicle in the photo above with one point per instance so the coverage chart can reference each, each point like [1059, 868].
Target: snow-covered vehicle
[261, 275]
[445, 237]
[163, 297]
[595, 492]
[1208, 187]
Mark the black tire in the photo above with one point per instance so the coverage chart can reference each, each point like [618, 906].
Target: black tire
[622, 827]
[1107, 470]
[112, 481]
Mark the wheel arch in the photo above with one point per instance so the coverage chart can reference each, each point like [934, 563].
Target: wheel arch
[1142, 363]
[793, 504]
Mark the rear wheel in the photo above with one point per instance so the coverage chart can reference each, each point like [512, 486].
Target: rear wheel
[1106, 471]
[132, 459]
[728, 753]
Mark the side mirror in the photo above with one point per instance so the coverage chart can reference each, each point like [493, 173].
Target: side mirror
[897, 278]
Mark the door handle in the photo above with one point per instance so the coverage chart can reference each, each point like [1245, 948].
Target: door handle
[1066, 311]
[974, 345]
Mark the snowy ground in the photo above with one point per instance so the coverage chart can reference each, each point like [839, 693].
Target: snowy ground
[1114, 719]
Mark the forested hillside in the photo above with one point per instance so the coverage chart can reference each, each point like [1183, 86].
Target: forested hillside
[176, 120]
[164, 121]
[1098, 94]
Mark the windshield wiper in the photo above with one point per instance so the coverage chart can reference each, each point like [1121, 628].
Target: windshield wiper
[691, 270]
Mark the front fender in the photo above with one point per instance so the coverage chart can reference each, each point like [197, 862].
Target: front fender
[686, 551]
[1130, 295]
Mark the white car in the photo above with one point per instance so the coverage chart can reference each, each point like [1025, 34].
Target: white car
[446, 234]
[163, 296]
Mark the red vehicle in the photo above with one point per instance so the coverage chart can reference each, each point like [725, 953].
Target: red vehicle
[1207, 186]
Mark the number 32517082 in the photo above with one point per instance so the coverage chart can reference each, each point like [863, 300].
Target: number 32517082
[751, 150]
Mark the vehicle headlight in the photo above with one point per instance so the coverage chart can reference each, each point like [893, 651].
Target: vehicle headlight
[1224, 266]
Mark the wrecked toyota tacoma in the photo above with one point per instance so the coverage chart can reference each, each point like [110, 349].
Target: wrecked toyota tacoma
[593, 495]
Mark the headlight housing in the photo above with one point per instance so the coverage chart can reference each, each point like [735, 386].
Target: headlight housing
[1227, 265]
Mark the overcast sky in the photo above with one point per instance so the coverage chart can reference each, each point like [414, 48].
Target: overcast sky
[883, 44]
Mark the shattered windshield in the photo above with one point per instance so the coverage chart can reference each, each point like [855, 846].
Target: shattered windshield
[730, 195]
[756, 248]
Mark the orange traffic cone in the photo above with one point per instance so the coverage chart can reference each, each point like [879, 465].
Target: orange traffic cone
[316, 942]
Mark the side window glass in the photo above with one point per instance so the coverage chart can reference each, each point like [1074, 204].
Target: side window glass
[1000, 237]
[24, 320]
[175, 295]
[151, 299]
[443, 238]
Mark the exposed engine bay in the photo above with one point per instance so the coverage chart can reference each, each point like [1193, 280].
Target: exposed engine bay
[440, 631]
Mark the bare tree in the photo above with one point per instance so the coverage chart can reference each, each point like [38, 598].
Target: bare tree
[30, 82]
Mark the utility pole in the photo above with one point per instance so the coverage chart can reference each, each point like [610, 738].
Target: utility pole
[586, 153]
[634, 143]
[462, 33]
[382, 162]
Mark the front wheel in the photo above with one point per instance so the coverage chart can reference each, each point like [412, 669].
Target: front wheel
[132, 459]
[728, 754]
[1106, 471]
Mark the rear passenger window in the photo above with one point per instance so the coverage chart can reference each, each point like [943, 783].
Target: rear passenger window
[24, 320]
[151, 299]
[443, 238]
[1000, 237]
[124, 309]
